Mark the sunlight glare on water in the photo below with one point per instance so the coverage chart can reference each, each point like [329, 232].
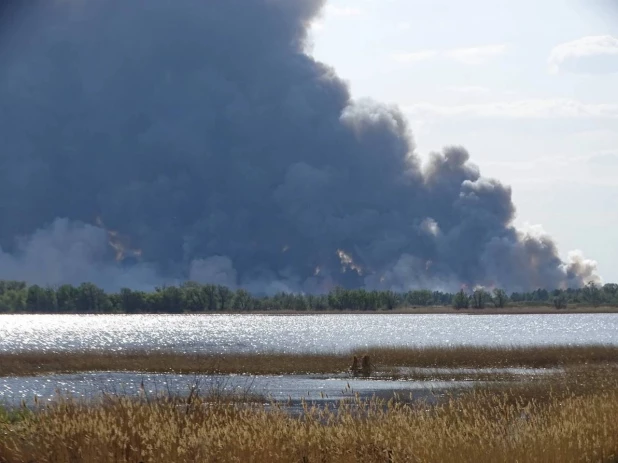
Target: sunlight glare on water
[303, 333]
[15, 389]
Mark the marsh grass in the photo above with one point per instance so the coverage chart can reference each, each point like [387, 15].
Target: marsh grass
[270, 363]
[33, 363]
[10, 415]
[570, 420]
[494, 357]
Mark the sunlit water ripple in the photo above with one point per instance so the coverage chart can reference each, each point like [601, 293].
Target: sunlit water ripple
[295, 387]
[303, 333]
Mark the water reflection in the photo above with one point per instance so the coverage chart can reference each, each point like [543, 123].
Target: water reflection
[306, 333]
[280, 388]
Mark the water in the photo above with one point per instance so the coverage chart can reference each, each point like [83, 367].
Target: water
[259, 333]
[279, 388]
[302, 333]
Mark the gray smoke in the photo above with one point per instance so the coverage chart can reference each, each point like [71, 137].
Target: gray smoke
[203, 134]
[71, 252]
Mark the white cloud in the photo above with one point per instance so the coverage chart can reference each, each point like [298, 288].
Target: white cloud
[597, 53]
[332, 11]
[547, 161]
[342, 11]
[604, 159]
[476, 55]
[317, 25]
[597, 168]
[469, 89]
[404, 26]
[471, 56]
[415, 56]
[521, 109]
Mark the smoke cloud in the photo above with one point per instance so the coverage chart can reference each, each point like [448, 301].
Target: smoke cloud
[204, 135]
[72, 252]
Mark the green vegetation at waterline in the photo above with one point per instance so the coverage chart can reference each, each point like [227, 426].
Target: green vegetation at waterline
[190, 297]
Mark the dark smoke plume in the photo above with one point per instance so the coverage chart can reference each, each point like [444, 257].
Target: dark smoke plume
[144, 141]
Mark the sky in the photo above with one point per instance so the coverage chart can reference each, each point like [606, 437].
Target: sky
[529, 88]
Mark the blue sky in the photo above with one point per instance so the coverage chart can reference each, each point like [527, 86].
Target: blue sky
[529, 88]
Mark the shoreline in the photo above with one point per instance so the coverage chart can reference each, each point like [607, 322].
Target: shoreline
[430, 310]
[436, 310]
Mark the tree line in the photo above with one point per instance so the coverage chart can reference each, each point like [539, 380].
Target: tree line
[190, 297]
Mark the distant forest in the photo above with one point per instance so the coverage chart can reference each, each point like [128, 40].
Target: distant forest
[19, 297]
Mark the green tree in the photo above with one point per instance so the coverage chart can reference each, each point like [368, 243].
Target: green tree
[422, 297]
[115, 303]
[300, 302]
[66, 297]
[132, 301]
[13, 300]
[500, 298]
[50, 301]
[212, 297]
[480, 297]
[91, 299]
[6, 286]
[336, 299]
[561, 301]
[171, 300]
[610, 291]
[194, 297]
[461, 300]
[225, 297]
[36, 299]
[390, 300]
[242, 300]
[592, 294]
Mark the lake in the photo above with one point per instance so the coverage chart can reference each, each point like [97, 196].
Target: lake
[297, 333]
[283, 333]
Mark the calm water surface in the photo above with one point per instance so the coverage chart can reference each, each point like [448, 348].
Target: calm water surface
[15, 389]
[303, 333]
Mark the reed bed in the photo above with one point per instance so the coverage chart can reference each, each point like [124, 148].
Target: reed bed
[494, 357]
[34, 363]
[487, 425]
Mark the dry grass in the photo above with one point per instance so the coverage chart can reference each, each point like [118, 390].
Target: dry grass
[528, 424]
[33, 363]
[494, 357]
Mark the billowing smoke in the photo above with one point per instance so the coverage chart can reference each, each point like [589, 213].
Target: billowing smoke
[144, 141]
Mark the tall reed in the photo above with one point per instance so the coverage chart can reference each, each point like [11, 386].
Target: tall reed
[480, 426]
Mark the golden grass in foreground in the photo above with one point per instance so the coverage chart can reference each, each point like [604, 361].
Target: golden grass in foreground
[482, 426]
[33, 363]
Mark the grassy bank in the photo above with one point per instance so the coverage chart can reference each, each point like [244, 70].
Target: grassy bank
[34, 363]
[529, 423]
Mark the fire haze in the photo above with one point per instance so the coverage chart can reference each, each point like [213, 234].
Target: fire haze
[204, 132]
[348, 262]
[119, 244]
